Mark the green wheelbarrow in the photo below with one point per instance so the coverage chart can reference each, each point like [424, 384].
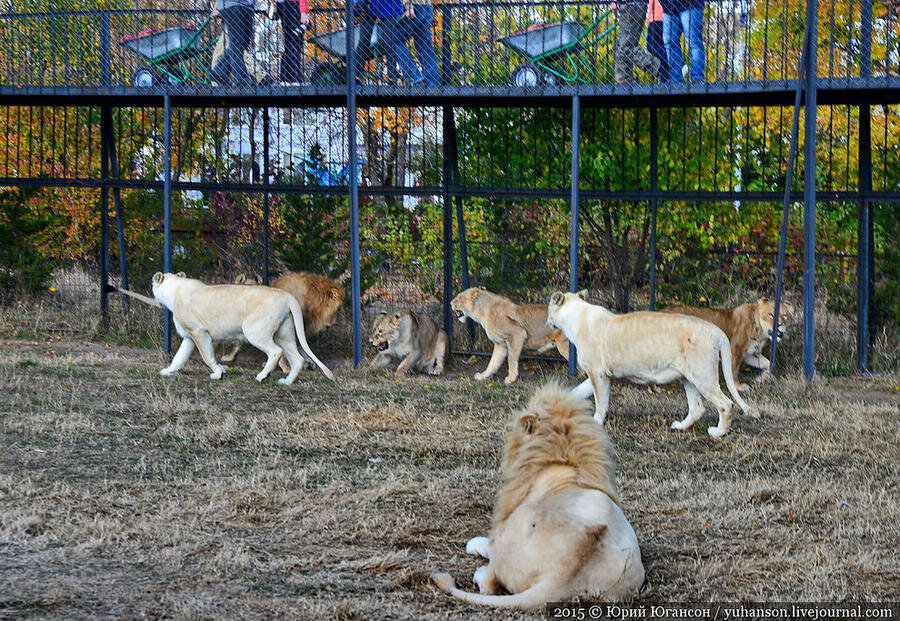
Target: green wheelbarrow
[557, 52]
[167, 53]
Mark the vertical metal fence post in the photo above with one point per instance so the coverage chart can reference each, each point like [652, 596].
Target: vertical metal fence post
[654, 188]
[788, 183]
[809, 198]
[447, 131]
[265, 266]
[353, 187]
[167, 210]
[575, 213]
[120, 217]
[105, 55]
[445, 44]
[460, 222]
[863, 267]
[105, 129]
[865, 40]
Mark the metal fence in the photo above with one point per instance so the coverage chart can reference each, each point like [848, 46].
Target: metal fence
[544, 48]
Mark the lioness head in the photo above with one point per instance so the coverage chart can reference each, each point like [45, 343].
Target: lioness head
[463, 304]
[765, 317]
[243, 279]
[385, 329]
[557, 301]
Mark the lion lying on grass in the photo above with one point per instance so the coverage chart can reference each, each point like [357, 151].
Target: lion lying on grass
[748, 328]
[319, 297]
[557, 529]
[648, 348]
[414, 337]
[510, 326]
[269, 319]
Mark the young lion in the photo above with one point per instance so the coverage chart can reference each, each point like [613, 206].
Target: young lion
[557, 529]
[748, 327]
[269, 319]
[648, 348]
[319, 297]
[510, 326]
[414, 337]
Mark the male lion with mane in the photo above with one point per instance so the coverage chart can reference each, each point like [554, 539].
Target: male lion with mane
[557, 530]
[269, 319]
[511, 327]
[414, 337]
[748, 328]
[648, 348]
[319, 297]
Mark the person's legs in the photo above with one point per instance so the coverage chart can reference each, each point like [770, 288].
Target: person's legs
[408, 66]
[239, 25]
[655, 46]
[692, 26]
[291, 27]
[672, 42]
[387, 37]
[366, 24]
[424, 45]
[630, 22]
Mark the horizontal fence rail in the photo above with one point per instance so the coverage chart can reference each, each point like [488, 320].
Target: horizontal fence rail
[484, 48]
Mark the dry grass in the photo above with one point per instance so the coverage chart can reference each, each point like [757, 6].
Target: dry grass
[123, 493]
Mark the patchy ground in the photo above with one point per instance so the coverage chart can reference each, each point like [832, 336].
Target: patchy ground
[123, 493]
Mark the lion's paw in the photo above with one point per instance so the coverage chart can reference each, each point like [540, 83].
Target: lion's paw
[481, 376]
[510, 379]
[261, 376]
[480, 546]
[285, 381]
[168, 371]
[741, 387]
[753, 413]
[678, 425]
[217, 374]
[716, 432]
[480, 578]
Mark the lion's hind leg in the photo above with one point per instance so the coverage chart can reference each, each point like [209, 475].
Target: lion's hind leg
[712, 393]
[291, 357]
[695, 408]
[264, 341]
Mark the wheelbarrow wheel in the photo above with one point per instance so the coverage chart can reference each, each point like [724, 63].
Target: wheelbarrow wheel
[530, 75]
[144, 77]
[327, 74]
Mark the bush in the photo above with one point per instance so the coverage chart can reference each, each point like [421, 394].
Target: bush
[21, 265]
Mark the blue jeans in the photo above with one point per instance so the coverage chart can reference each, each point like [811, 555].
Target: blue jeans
[690, 23]
[419, 30]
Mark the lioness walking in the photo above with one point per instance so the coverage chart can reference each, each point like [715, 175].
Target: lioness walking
[648, 348]
[269, 319]
[511, 327]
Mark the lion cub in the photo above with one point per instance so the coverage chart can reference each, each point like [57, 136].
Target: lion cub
[510, 326]
[414, 337]
[748, 327]
[557, 530]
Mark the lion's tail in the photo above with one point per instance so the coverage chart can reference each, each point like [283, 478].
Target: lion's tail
[530, 598]
[725, 353]
[297, 313]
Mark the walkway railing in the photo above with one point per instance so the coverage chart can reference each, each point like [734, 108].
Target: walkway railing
[478, 47]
